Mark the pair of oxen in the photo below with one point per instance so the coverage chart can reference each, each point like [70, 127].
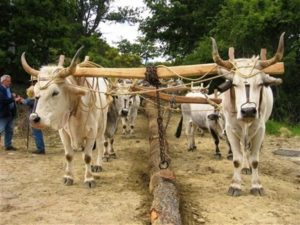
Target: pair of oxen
[77, 107]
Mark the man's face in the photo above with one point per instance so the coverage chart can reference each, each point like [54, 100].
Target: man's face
[7, 82]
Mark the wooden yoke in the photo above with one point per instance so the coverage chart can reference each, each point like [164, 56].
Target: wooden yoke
[150, 92]
[165, 72]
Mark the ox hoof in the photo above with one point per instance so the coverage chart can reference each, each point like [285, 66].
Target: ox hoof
[257, 191]
[96, 168]
[230, 157]
[90, 184]
[247, 171]
[218, 156]
[68, 181]
[191, 149]
[113, 155]
[105, 158]
[234, 192]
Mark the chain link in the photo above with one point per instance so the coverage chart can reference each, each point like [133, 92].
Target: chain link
[152, 78]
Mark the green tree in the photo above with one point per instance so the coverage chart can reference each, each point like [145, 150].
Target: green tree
[48, 28]
[179, 24]
[250, 25]
[143, 48]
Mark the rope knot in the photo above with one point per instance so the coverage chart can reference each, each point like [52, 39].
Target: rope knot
[151, 76]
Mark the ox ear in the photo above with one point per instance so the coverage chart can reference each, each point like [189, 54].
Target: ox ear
[76, 90]
[225, 86]
[271, 81]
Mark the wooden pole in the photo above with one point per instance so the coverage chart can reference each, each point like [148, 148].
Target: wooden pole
[164, 72]
[165, 205]
[151, 92]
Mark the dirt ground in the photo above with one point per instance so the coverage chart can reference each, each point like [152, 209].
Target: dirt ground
[32, 191]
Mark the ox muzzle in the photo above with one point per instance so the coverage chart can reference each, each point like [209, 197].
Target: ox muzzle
[124, 112]
[213, 116]
[248, 109]
[34, 117]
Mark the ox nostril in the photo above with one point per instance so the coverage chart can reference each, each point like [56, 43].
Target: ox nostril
[37, 119]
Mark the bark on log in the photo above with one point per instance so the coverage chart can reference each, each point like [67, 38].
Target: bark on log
[164, 72]
[177, 99]
[165, 205]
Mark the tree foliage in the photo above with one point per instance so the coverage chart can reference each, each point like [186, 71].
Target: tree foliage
[143, 48]
[45, 29]
[185, 28]
[179, 24]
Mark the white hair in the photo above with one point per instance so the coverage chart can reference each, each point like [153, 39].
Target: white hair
[4, 77]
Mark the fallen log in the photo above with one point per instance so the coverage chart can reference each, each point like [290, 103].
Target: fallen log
[151, 92]
[165, 206]
[164, 72]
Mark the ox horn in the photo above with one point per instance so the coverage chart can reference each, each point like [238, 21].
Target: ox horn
[61, 60]
[278, 55]
[27, 68]
[72, 68]
[216, 57]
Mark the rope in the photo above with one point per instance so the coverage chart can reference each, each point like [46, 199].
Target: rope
[186, 78]
[246, 76]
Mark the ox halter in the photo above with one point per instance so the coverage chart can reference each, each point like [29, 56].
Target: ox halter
[251, 74]
[247, 90]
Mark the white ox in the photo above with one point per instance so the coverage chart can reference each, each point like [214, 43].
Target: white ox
[76, 107]
[247, 105]
[124, 106]
[127, 106]
[205, 117]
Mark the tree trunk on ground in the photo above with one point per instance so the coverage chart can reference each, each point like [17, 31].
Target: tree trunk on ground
[165, 205]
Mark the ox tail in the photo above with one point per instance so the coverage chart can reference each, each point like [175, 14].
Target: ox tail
[179, 128]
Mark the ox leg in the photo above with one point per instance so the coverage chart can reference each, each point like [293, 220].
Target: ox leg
[124, 125]
[189, 131]
[69, 155]
[87, 157]
[235, 186]
[111, 151]
[102, 154]
[132, 122]
[105, 155]
[215, 136]
[229, 154]
[246, 168]
[133, 116]
[256, 186]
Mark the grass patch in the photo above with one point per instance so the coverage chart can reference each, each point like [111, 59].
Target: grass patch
[283, 129]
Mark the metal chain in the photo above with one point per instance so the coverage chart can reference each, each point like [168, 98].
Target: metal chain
[152, 78]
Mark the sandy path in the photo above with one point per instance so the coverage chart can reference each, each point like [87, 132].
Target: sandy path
[32, 192]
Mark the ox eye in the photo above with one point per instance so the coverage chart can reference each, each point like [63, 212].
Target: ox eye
[55, 93]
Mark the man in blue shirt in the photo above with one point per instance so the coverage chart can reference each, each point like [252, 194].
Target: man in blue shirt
[8, 111]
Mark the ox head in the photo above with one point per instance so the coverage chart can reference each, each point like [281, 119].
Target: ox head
[123, 100]
[55, 97]
[246, 80]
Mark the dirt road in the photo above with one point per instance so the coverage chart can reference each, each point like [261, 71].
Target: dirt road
[32, 192]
